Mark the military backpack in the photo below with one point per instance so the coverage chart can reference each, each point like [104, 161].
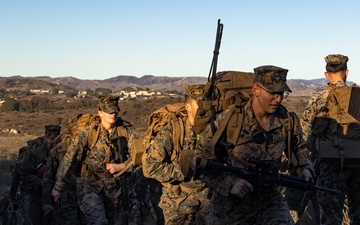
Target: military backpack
[335, 131]
[175, 114]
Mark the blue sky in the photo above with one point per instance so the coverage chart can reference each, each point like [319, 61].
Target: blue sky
[100, 39]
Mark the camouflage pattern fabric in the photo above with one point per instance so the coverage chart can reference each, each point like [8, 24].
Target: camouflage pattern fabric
[268, 207]
[147, 191]
[31, 172]
[18, 194]
[336, 58]
[66, 212]
[179, 205]
[271, 78]
[109, 104]
[98, 198]
[336, 62]
[347, 181]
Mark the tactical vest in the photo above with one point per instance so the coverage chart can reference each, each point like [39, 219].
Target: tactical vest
[93, 137]
[233, 123]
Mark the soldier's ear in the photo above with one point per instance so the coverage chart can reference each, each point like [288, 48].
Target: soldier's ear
[326, 75]
[255, 90]
[187, 107]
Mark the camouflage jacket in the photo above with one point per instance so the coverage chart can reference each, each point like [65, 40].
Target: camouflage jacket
[316, 105]
[52, 165]
[273, 149]
[32, 168]
[95, 157]
[162, 163]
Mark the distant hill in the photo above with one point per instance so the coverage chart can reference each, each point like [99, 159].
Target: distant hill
[116, 83]
[18, 83]
[300, 87]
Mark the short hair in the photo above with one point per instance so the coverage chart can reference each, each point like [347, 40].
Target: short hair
[335, 67]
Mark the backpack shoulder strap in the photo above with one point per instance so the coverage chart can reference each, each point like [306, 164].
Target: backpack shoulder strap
[210, 147]
[94, 133]
[178, 135]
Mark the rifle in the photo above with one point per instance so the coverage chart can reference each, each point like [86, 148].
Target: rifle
[263, 174]
[210, 94]
[121, 144]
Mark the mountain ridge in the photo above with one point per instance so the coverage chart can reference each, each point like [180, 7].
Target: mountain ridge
[300, 87]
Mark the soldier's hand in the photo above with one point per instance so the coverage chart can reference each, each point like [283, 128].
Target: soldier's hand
[56, 195]
[307, 174]
[47, 208]
[114, 167]
[241, 188]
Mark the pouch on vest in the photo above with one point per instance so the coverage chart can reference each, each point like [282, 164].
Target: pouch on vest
[345, 152]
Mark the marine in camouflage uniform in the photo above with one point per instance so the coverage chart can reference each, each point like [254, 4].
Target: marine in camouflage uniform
[183, 201]
[98, 190]
[330, 175]
[32, 170]
[66, 210]
[236, 200]
[21, 200]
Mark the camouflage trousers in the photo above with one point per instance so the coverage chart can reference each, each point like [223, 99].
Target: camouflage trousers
[36, 212]
[25, 205]
[67, 212]
[99, 201]
[269, 209]
[331, 205]
[298, 201]
[185, 208]
[148, 191]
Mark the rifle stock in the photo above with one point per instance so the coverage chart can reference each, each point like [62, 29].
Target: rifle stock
[263, 174]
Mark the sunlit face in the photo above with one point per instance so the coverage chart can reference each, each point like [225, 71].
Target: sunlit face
[268, 102]
[191, 108]
[109, 118]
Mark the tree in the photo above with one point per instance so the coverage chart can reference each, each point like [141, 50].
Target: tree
[103, 91]
[71, 93]
[10, 104]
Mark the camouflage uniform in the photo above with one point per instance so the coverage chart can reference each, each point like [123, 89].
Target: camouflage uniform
[147, 190]
[21, 200]
[32, 170]
[330, 175]
[66, 211]
[263, 206]
[98, 191]
[183, 201]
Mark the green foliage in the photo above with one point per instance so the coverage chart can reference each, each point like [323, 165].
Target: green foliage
[103, 91]
[71, 93]
[10, 104]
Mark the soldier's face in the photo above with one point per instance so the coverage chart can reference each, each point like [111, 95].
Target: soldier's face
[191, 108]
[268, 102]
[109, 118]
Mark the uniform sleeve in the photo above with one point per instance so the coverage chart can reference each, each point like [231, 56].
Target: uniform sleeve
[314, 106]
[73, 154]
[302, 154]
[15, 181]
[222, 182]
[29, 174]
[158, 163]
